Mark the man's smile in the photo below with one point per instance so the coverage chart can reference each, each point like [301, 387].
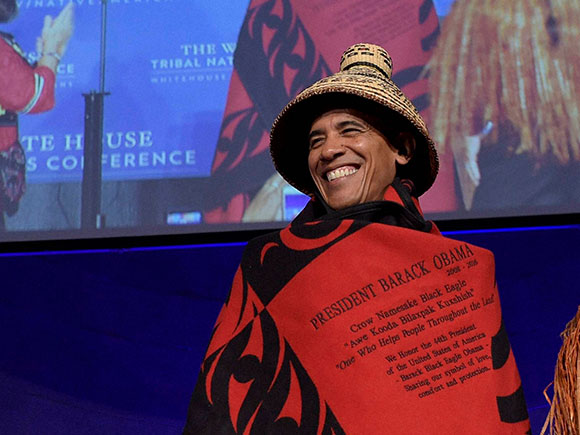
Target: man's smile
[343, 171]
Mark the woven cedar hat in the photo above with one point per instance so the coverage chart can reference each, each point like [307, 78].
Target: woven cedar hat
[363, 83]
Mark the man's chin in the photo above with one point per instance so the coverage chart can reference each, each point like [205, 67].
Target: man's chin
[340, 203]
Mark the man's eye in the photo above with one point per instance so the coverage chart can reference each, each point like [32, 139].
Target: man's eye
[351, 130]
[314, 142]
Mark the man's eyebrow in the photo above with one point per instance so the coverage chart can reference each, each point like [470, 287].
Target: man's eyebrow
[315, 133]
[352, 122]
[340, 125]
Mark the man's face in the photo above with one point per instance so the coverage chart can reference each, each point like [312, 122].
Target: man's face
[349, 160]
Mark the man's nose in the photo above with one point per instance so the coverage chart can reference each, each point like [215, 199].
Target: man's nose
[333, 147]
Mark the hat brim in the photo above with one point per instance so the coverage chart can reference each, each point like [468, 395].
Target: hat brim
[289, 134]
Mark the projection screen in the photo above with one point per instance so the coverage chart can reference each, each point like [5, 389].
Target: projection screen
[190, 88]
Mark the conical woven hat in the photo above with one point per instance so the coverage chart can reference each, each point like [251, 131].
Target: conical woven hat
[363, 83]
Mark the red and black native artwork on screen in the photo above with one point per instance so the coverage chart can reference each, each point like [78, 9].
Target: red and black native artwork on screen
[285, 46]
[364, 323]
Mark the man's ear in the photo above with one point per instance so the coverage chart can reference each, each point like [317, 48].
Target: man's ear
[405, 147]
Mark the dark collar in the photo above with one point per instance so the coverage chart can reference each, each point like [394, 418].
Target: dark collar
[398, 209]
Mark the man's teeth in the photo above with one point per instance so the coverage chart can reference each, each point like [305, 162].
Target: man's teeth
[340, 172]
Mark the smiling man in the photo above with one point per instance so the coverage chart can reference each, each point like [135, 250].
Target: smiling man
[359, 317]
[346, 138]
[352, 162]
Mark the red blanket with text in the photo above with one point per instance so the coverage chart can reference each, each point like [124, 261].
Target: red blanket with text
[347, 324]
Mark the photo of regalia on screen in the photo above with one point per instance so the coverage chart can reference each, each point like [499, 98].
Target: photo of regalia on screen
[163, 97]
[153, 117]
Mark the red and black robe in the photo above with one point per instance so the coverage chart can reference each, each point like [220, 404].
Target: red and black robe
[360, 321]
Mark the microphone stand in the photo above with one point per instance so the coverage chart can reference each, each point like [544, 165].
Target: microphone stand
[91, 217]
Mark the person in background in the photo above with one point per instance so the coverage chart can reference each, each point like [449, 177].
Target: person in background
[25, 88]
[564, 414]
[504, 87]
